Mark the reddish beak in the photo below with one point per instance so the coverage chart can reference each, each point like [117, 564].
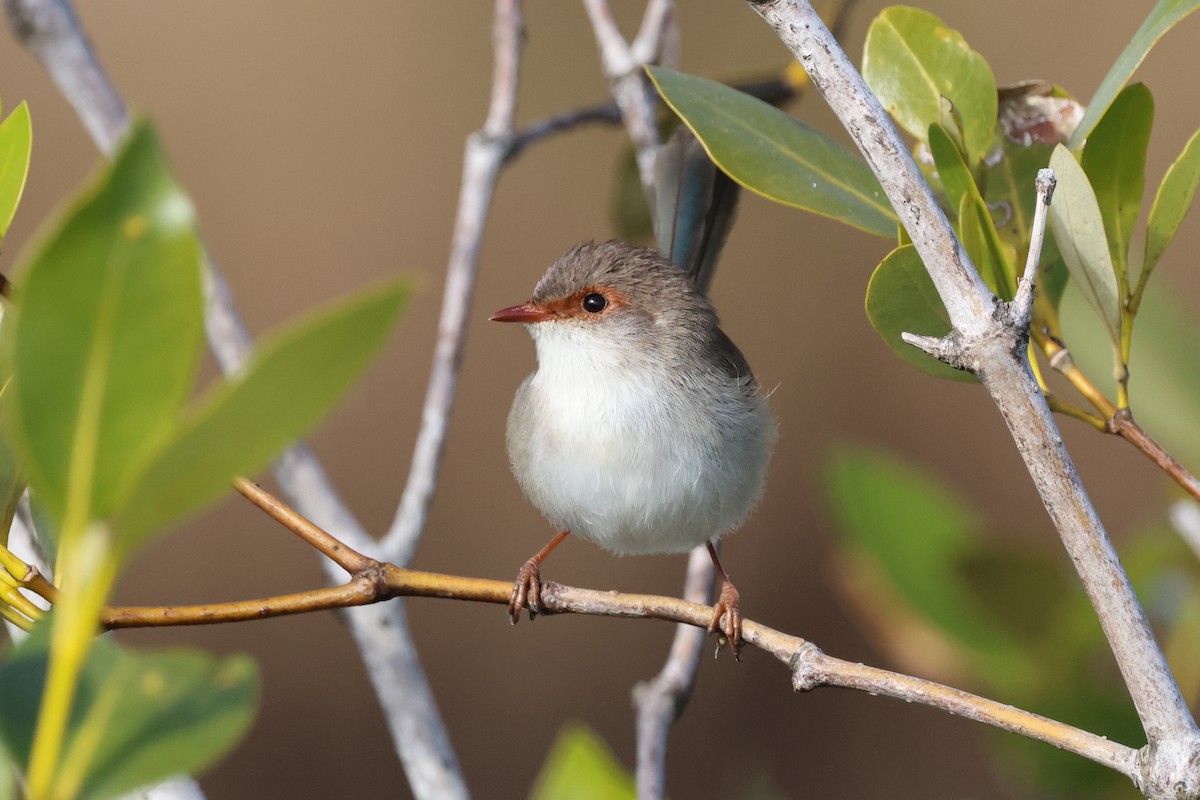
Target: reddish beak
[526, 312]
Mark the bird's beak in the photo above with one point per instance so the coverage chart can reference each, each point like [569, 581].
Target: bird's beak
[526, 312]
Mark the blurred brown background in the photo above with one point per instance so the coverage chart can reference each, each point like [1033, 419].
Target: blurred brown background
[321, 143]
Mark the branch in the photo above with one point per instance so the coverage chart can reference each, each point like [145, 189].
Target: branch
[990, 347]
[1117, 421]
[661, 700]
[487, 150]
[988, 344]
[376, 581]
[810, 667]
[52, 33]
[623, 65]
[1021, 308]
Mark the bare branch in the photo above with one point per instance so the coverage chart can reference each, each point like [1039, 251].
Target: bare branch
[995, 352]
[485, 155]
[660, 701]
[343, 555]
[50, 30]
[810, 667]
[623, 66]
[1022, 303]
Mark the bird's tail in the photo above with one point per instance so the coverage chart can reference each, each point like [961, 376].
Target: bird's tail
[695, 206]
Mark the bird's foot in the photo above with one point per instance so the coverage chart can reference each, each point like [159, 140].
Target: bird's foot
[728, 605]
[527, 587]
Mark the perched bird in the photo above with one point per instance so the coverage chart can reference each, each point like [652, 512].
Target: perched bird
[643, 428]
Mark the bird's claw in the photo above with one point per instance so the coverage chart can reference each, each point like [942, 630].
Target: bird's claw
[728, 605]
[527, 588]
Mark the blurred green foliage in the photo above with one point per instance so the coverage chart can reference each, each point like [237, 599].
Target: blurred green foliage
[98, 354]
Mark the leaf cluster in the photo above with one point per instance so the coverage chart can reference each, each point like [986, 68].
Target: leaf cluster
[102, 424]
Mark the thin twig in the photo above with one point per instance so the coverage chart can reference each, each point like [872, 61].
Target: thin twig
[359, 591]
[776, 92]
[486, 151]
[1123, 425]
[376, 581]
[988, 346]
[1021, 307]
[661, 700]
[344, 556]
[1114, 420]
[50, 29]
[630, 88]
[811, 668]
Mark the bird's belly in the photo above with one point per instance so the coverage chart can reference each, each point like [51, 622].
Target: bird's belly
[622, 472]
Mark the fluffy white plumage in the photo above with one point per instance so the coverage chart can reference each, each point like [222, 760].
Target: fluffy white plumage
[642, 429]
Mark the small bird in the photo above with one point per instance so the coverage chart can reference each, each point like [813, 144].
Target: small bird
[643, 428]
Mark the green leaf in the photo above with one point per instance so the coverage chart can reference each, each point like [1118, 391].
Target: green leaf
[139, 717]
[1079, 232]
[1171, 205]
[105, 333]
[1161, 19]
[982, 243]
[901, 298]
[291, 381]
[975, 224]
[956, 179]
[16, 143]
[921, 535]
[911, 60]
[581, 766]
[1115, 162]
[776, 156]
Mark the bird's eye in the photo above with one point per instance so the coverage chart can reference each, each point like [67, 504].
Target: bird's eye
[594, 302]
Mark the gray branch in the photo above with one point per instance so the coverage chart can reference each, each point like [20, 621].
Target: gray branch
[986, 342]
[486, 152]
[661, 700]
[623, 64]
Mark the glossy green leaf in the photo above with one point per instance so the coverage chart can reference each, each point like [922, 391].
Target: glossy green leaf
[991, 257]
[921, 535]
[901, 298]
[955, 177]
[1079, 232]
[776, 156]
[911, 60]
[106, 333]
[581, 766]
[1171, 205]
[16, 143]
[139, 717]
[975, 225]
[1161, 19]
[291, 381]
[1115, 162]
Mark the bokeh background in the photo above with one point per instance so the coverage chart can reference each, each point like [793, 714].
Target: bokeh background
[321, 143]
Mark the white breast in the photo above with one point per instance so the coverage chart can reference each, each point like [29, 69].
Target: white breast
[609, 449]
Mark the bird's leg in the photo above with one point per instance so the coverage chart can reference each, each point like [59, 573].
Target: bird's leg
[529, 582]
[729, 605]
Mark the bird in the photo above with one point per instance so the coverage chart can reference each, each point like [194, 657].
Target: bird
[643, 428]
